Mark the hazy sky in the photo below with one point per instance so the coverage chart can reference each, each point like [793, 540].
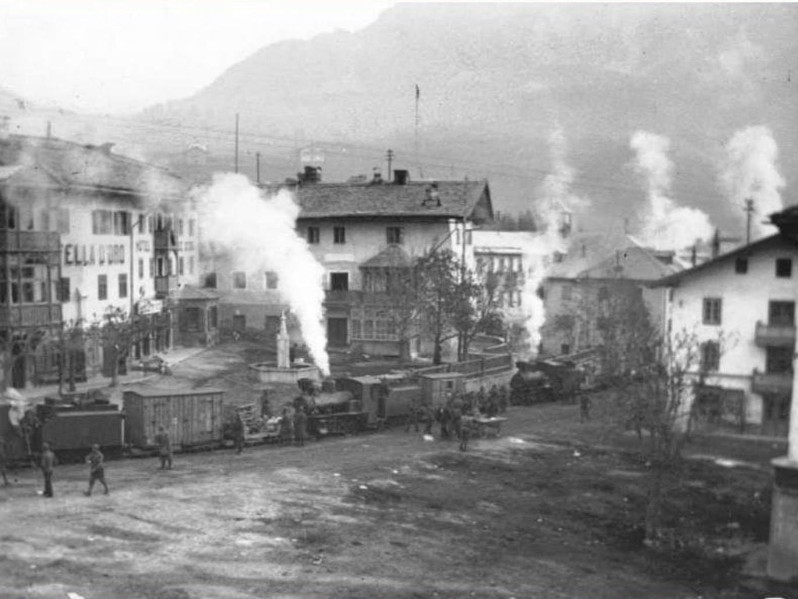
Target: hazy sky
[123, 55]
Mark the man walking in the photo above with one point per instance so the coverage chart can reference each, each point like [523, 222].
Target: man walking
[97, 469]
[47, 464]
[164, 448]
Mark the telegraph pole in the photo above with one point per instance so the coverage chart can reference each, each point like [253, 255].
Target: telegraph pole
[236, 160]
[749, 209]
[389, 157]
[257, 167]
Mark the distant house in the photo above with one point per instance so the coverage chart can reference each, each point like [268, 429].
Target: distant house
[741, 305]
[500, 255]
[580, 280]
[360, 231]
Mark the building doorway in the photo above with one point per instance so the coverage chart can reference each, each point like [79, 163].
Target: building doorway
[776, 414]
[338, 332]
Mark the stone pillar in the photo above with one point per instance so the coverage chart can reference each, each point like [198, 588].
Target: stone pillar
[783, 548]
[283, 359]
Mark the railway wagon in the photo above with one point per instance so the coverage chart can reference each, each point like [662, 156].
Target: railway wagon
[436, 387]
[72, 429]
[193, 418]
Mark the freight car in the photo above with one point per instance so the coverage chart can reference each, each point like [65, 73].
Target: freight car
[193, 418]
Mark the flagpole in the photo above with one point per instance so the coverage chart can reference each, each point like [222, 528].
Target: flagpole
[415, 133]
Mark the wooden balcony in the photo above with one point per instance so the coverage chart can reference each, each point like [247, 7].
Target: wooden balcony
[347, 297]
[20, 316]
[771, 382]
[165, 240]
[774, 335]
[164, 286]
[30, 241]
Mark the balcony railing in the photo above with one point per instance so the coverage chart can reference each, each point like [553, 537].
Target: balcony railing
[164, 286]
[775, 335]
[771, 382]
[29, 241]
[30, 316]
[348, 296]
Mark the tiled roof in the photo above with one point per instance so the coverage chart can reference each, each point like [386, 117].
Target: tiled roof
[392, 256]
[458, 199]
[68, 164]
[743, 251]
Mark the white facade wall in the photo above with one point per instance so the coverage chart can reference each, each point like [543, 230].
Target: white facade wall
[745, 300]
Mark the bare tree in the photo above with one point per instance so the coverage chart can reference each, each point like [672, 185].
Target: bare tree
[118, 332]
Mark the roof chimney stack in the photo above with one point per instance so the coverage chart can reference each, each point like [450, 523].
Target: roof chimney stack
[401, 176]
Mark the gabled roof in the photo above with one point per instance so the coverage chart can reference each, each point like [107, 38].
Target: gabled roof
[392, 256]
[459, 199]
[50, 161]
[743, 251]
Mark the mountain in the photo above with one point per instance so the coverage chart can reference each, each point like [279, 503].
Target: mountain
[495, 80]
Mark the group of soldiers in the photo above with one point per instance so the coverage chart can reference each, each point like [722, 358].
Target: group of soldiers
[456, 416]
[293, 422]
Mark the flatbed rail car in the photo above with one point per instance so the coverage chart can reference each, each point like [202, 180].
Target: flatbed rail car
[193, 418]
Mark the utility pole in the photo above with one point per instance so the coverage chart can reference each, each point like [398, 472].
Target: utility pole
[257, 167]
[236, 160]
[389, 157]
[749, 209]
[415, 135]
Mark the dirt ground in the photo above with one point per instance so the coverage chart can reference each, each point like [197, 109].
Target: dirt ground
[548, 509]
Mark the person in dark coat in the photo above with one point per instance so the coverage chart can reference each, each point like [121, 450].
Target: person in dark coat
[47, 464]
[504, 399]
[286, 428]
[466, 428]
[446, 422]
[456, 419]
[300, 427]
[239, 433]
[164, 444]
[3, 461]
[96, 469]
[428, 418]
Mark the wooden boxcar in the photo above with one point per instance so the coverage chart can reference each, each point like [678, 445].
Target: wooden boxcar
[436, 386]
[71, 430]
[193, 418]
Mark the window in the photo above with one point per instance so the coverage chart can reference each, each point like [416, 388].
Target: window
[213, 317]
[141, 223]
[741, 266]
[272, 280]
[102, 287]
[121, 223]
[339, 234]
[778, 359]
[781, 313]
[123, 285]
[152, 267]
[141, 268]
[102, 222]
[339, 281]
[210, 280]
[783, 268]
[8, 216]
[192, 319]
[239, 280]
[565, 349]
[394, 235]
[63, 290]
[44, 220]
[710, 356]
[713, 307]
[150, 224]
[313, 235]
[180, 227]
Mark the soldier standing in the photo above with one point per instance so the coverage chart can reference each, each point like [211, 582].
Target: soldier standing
[3, 460]
[300, 427]
[465, 433]
[238, 433]
[164, 448]
[428, 417]
[584, 407]
[96, 469]
[47, 464]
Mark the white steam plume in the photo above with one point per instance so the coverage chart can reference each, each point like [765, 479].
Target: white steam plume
[667, 226]
[556, 203]
[260, 233]
[750, 173]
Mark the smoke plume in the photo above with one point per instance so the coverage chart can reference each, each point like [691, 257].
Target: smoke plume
[555, 206]
[750, 173]
[259, 232]
[666, 226]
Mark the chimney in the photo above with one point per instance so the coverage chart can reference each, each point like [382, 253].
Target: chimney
[400, 177]
[312, 174]
[716, 244]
